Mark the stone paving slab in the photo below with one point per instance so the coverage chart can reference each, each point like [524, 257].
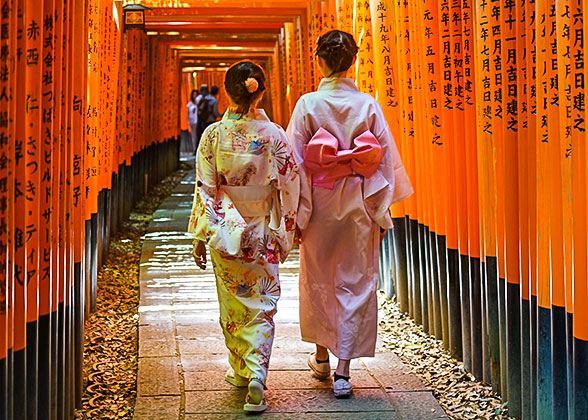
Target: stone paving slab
[206, 328]
[366, 415]
[214, 361]
[157, 347]
[154, 318]
[158, 376]
[420, 405]
[157, 408]
[278, 380]
[289, 401]
[182, 357]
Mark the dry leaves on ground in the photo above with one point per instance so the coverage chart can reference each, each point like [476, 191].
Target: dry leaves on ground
[111, 347]
[458, 392]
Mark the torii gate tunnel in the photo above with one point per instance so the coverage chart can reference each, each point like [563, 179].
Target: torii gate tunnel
[486, 101]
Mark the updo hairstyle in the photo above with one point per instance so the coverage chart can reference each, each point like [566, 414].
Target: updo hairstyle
[245, 83]
[338, 49]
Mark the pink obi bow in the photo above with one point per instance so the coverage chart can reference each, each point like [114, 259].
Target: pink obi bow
[326, 163]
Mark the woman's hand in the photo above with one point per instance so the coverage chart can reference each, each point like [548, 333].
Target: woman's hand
[199, 254]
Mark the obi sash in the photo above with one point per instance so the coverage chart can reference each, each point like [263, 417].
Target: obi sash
[250, 200]
[240, 209]
[327, 164]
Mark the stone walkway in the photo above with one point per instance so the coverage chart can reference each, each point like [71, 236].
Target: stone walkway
[182, 357]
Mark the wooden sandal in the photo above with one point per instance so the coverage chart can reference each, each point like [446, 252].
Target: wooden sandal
[255, 393]
[236, 380]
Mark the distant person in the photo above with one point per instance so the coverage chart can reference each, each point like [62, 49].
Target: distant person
[201, 111]
[350, 175]
[244, 208]
[207, 108]
[193, 118]
[214, 93]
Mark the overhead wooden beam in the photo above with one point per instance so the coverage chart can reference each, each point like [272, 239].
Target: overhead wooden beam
[240, 38]
[226, 55]
[220, 44]
[196, 13]
[207, 31]
[233, 26]
[161, 7]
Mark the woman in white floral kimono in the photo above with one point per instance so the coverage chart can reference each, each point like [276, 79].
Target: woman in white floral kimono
[350, 174]
[244, 208]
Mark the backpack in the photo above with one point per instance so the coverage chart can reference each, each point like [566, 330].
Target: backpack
[204, 110]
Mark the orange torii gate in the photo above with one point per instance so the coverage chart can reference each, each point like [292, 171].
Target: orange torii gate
[486, 101]
[67, 155]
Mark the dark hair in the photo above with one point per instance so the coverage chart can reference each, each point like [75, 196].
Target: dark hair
[192, 97]
[338, 49]
[204, 90]
[214, 90]
[235, 79]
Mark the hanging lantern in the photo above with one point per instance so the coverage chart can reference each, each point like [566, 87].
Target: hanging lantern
[135, 16]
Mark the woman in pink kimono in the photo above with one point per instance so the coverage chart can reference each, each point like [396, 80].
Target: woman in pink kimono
[245, 203]
[350, 174]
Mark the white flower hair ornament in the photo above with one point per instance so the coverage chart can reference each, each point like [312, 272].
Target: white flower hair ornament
[251, 84]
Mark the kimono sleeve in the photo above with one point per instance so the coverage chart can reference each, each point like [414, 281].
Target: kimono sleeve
[298, 136]
[288, 187]
[206, 185]
[392, 168]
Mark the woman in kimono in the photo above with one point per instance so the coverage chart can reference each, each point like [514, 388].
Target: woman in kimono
[245, 203]
[350, 174]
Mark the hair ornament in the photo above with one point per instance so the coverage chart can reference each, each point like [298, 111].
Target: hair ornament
[251, 84]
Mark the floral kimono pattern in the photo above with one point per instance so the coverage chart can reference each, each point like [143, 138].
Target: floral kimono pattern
[244, 208]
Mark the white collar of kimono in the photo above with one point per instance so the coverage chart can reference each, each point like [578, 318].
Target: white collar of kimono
[337, 83]
[255, 114]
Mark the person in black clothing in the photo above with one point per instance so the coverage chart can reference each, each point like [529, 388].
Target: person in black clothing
[207, 108]
[202, 113]
[214, 94]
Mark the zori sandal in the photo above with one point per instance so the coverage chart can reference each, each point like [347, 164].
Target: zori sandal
[254, 402]
[342, 388]
[320, 370]
[236, 380]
